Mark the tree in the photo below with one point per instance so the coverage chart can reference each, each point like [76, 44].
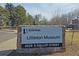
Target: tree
[1, 17]
[21, 13]
[29, 20]
[63, 20]
[37, 18]
[43, 21]
[11, 9]
[4, 15]
[55, 20]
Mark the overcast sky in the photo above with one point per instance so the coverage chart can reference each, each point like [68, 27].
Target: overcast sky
[48, 10]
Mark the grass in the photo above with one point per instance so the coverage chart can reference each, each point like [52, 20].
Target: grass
[72, 49]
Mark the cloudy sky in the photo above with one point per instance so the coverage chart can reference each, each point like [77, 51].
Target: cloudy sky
[48, 10]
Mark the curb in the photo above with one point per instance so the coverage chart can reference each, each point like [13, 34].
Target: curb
[5, 53]
[15, 31]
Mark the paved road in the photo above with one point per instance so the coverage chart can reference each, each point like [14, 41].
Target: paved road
[6, 35]
[7, 42]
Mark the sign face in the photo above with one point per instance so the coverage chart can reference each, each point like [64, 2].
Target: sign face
[41, 36]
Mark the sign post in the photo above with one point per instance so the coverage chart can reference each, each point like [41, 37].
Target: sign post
[40, 39]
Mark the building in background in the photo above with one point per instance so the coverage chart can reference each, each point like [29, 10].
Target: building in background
[74, 24]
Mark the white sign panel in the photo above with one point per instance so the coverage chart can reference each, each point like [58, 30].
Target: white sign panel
[45, 36]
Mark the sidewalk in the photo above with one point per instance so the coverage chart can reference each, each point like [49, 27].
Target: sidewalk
[9, 30]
